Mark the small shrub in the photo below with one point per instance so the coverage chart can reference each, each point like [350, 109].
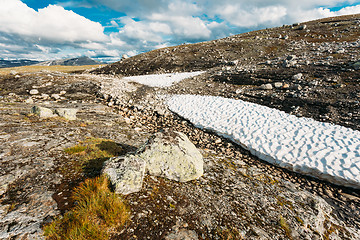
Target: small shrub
[98, 213]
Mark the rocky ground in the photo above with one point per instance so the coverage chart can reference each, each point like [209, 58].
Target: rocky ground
[312, 72]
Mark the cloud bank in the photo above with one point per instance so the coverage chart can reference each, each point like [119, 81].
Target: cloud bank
[54, 32]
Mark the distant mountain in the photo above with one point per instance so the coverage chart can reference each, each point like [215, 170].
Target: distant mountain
[80, 61]
[16, 63]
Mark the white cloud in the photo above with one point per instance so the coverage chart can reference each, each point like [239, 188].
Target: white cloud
[242, 17]
[53, 32]
[142, 30]
[349, 10]
[53, 23]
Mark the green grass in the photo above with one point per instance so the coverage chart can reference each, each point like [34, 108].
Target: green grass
[284, 225]
[97, 214]
[93, 152]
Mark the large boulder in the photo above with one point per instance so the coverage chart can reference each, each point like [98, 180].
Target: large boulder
[126, 173]
[170, 154]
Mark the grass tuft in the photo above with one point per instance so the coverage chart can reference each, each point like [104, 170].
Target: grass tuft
[97, 214]
[93, 152]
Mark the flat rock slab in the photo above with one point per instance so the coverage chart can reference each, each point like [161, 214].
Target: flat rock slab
[326, 151]
[172, 155]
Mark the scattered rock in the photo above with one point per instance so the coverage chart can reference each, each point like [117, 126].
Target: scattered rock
[67, 113]
[29, 101]
[356, 65]
[296, 87]
[297, 77]
[170, 154]
[182, 234]
[55, 96]
[126, 173]
[266, 86]
[43, 112]
[278, 84]
[285, 86]
[34, 91]
[302, 27]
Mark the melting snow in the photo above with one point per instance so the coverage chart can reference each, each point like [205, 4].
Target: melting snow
[323, 150]
[162, 80]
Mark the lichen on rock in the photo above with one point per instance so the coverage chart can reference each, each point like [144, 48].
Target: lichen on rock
[170, 154]
[126, 173]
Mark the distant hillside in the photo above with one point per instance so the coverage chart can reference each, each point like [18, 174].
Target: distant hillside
[16, 63]
[80, 61]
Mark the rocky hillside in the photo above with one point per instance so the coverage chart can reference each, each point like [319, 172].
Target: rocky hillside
[316, 63]
[318, 43]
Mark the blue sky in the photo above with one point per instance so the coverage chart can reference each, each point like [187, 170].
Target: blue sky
[107, 29]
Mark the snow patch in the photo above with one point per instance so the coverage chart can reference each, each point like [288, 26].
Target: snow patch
[162, 80]
[323, 150]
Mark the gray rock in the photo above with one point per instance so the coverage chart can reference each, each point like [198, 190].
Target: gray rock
[266, 86]
[298, 76]
[289, 63]
[29, 101]
[278, 84]
[296, 87]
[45, 96]
[171, 155]
[356, 65]
[34, 91]
[55, 96]
[126, 173]
[182, 234]
[43, 112]
[5, 181]
[67, 113]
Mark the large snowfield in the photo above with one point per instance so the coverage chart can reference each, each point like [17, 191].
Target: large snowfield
[326, 151]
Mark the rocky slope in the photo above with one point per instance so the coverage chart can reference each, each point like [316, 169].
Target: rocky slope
[312, 68]
[239, 196]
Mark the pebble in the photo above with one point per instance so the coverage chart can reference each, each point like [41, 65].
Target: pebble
[29, 101]
[278, 84]
[285, 86]
[266, 86]
[34, 91]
